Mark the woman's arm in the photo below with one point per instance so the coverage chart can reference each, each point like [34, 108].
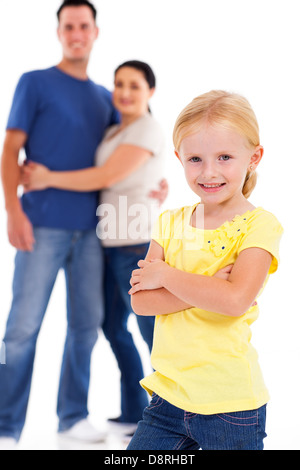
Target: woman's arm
[232, 297]
[125, 160]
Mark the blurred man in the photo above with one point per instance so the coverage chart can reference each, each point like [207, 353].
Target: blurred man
[59, 116]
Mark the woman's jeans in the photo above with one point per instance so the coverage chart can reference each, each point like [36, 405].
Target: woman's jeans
[119, 264]
[80, 255]
[165, 427]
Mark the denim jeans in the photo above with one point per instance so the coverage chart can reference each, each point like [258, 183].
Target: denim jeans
[80, 255]
[165, 427]
[119, 264]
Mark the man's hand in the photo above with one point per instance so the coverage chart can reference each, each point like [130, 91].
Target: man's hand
[20, 231]
[162, 193]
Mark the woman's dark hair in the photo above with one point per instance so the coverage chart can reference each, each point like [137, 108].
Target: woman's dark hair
[77, 3]
[142, 67]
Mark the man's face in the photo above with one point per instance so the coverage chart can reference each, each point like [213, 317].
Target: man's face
[77, 32]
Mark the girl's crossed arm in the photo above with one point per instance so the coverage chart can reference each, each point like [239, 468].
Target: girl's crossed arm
[231, 297]
[158, 301]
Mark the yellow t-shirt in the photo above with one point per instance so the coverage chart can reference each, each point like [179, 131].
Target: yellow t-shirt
[203, 361]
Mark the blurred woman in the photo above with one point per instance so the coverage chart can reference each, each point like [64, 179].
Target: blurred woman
[129, 165]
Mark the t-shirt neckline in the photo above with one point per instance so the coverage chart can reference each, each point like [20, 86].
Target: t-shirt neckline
[78, 80]
[193, 208]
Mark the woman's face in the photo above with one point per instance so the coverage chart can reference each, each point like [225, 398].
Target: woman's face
[132, 93]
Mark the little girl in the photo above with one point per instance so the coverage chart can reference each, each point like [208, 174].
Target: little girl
[207, 389]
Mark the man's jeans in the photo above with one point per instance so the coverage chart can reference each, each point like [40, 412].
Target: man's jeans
[166, 427]
[80, 255]
[119, 264]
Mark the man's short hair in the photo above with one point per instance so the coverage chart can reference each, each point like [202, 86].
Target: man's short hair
[77, 3]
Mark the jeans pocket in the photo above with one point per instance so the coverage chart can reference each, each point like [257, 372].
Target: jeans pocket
[135, 250]
[156, 400]
[240, 418]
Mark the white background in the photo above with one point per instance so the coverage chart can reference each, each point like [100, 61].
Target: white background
[251, 47]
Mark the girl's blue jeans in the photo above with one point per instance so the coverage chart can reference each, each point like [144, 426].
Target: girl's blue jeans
[165, 427]
[80, 255]
[119, 264]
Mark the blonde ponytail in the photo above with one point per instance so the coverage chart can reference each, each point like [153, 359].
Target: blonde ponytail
[249, 184]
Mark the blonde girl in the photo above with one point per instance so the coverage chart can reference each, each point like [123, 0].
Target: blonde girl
[208, 390]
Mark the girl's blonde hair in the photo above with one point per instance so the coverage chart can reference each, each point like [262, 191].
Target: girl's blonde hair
[229, 110]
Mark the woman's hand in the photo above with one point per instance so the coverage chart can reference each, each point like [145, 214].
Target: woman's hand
[35, 176]
[149, 276]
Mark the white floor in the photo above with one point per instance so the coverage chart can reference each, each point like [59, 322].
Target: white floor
[50, 441]
[40, 429]
[40, 432]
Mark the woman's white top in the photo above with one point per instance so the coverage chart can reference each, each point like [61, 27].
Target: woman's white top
[126, 211]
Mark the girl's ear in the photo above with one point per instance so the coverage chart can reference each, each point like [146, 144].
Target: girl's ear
[256, 157]
[177, 155]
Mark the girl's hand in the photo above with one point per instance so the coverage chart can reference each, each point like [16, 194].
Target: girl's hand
[35, 177]
[224, 273]
[149, 276]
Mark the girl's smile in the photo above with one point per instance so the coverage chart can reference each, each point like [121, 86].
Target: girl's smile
[212, 188]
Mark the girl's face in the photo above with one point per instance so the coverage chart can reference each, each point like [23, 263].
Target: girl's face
[216, 161]
[132, 93]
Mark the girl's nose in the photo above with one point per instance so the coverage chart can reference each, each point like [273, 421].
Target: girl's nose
[208, 171]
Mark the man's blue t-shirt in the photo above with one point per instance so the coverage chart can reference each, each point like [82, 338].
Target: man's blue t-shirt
[65, 119]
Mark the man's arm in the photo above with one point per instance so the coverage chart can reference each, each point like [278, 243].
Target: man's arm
[20, 232]
[162, 193]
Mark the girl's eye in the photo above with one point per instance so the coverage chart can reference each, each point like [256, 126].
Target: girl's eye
[225, 158]
[195, 159]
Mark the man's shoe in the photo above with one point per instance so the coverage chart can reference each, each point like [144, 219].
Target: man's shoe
[117, 425]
